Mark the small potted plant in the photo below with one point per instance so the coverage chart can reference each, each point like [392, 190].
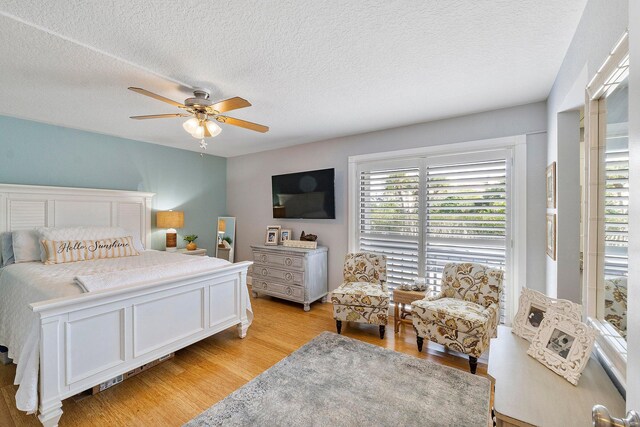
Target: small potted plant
[191, 239]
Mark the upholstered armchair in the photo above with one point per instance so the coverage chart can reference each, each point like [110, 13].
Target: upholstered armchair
[363, 297]
[464, 316]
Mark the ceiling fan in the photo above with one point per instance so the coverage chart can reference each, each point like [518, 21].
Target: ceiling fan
[203, 112]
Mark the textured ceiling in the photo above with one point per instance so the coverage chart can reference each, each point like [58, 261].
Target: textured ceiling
[313, 70]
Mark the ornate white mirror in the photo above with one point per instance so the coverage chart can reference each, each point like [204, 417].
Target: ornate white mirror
[226, 237]
[607, 206]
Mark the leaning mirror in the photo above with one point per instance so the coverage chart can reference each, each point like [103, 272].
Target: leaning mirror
[606, 230]
[226, 237]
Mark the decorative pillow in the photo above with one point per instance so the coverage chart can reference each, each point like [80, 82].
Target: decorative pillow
[84, 233]
[6, 249]
[61, 251]
[25, 246]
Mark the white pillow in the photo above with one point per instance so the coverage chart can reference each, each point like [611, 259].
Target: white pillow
[84, 233]
[26, 246]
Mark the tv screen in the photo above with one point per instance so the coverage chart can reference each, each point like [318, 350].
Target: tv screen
[304, 195]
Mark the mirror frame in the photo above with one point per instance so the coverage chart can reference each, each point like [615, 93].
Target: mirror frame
[612, 350]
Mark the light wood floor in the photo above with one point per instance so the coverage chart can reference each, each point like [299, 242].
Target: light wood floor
[204, 373]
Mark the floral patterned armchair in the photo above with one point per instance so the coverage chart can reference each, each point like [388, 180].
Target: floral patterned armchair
[464, 316]
[363, 297]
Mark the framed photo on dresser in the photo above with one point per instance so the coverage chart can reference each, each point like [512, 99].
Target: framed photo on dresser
[285, 234]
[533, 307]
[273, 235]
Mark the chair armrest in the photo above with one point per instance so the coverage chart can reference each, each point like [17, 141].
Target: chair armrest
[384, 286]
[434, 297]
[493, 312]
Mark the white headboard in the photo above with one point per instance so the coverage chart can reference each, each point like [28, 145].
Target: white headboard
[28, 206]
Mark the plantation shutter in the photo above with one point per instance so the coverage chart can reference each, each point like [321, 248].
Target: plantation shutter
[389, 217]
[616, 216]
[426, 212]
[466, 214]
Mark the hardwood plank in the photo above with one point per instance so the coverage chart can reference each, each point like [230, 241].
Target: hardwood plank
[201, 375]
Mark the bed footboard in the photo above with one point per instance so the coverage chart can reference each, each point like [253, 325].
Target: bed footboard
[88, 339]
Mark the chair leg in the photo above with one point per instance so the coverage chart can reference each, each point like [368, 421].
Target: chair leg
[419, 340]
[473, 364]
[382, 328]
[339, 326]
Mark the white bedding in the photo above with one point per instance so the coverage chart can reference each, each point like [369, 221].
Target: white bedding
[26, 283]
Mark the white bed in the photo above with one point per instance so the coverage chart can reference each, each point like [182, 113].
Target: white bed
[65, 340]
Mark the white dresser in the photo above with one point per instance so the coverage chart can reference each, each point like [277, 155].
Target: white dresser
[293, 274]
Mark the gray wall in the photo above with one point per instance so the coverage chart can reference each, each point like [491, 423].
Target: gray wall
[602, 24]
[40, 154]
[249, 178]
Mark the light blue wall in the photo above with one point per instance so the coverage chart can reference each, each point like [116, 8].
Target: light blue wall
[40, 154]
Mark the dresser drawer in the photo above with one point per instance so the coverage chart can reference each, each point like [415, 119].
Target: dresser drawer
[285, 276]
[279, 260]
[277, 289]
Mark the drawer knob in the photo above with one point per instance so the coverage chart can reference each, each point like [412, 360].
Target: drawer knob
[263, 258]
[264, 285]
[288, 276]
[265, 271]
[288, 261]
[289, 291]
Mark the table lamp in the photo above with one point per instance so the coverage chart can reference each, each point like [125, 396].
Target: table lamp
[170, 220]
[222, 228]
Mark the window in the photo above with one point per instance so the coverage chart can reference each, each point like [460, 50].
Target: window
[428, 210]
[389, 218]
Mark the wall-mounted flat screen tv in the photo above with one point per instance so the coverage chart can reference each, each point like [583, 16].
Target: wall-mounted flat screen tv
[308, 195]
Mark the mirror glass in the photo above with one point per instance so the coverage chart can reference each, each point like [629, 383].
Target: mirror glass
[226, 237]
[614, 204]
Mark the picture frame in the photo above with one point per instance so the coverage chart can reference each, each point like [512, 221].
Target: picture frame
[563, 345]
[532, 309]
[272, 236]
[551, 185]
[285, 234]
[551, 236]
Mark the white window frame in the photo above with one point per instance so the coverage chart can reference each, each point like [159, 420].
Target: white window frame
[517, 216]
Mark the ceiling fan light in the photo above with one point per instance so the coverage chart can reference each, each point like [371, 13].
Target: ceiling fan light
[198, 133]
[191, 125]
[213, 128]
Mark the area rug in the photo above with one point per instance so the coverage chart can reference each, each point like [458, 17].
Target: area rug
[334, 380]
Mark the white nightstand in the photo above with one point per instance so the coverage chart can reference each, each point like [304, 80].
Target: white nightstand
[197, 252]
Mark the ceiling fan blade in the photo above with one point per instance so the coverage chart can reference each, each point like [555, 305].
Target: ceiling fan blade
[230, 104]
[156, 96]
[159, 116]
[242, 123]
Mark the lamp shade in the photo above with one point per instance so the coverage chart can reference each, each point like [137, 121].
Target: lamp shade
[222, 226]
[170, 219]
